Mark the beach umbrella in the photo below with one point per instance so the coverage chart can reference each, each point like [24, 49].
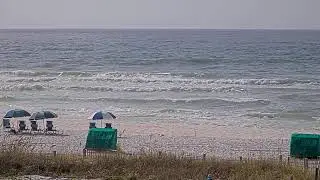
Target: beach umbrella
[41, 115]
[14, 113]
[99, 115]
[102, 115]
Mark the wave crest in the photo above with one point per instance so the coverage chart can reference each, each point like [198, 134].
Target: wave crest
[23, 87]
[157, 89]
[212, 102]
[31, 80]
[7, 98]
[152, 77]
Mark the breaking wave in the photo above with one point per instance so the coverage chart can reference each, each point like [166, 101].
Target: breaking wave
[150, 77]
[39, 87]
[195, 80]
[283, 115]
[23, 87]
[31, 80]
[263, 81]
[170, 110]
[7, 98]
[262, 115]
[218, 102]
[158, 89]
[23, 73]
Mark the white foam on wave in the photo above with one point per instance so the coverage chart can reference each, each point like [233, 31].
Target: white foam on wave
[7, 98]
[261, 81]
[22, 87]
[211, 101]
[156, 89]
[173, 110]
[25, 73]
[31, 80]
[176, 78]
[282, 115]
[153, 77]
[42, 84]
[263, 115]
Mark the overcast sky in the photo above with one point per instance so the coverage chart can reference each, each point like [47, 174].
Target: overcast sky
[222, 14]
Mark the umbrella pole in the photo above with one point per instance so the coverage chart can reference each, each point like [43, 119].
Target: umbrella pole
[15, 124]
[101, 123]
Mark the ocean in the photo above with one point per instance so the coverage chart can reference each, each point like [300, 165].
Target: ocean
[237, 79]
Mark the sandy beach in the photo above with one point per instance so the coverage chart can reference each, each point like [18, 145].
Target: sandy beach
[194, 140]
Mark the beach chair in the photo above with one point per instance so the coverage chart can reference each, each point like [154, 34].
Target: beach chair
[49, 127]
[34, 126]
[6, 124]
[92, 125]
[22, 126]
[108, 125]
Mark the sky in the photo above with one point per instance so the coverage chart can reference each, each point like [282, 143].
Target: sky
[205, 14]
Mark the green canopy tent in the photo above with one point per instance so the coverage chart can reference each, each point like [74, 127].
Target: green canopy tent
[102, 139]
[305, 145]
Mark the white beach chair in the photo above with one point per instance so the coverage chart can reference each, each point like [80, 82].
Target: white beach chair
[50, 128]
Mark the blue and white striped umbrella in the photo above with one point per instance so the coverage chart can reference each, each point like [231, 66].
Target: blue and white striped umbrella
[16, 113]
[102, 115]
[41, 115]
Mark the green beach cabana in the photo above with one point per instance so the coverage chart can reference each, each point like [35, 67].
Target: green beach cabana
[102, 139]
[305, 145]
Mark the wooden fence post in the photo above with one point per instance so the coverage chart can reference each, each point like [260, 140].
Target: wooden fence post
[317, 174]
[280, 158]
[204, 157]
[84, 152]
[305, 163]
[54, 153]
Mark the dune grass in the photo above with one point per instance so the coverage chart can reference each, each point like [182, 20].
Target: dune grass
[17, 160]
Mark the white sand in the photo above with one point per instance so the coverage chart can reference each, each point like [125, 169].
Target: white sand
[193, 140]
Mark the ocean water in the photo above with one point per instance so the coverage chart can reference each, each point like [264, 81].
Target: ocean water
[262, 79]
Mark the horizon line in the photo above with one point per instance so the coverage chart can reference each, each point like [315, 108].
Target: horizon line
[157, 28]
